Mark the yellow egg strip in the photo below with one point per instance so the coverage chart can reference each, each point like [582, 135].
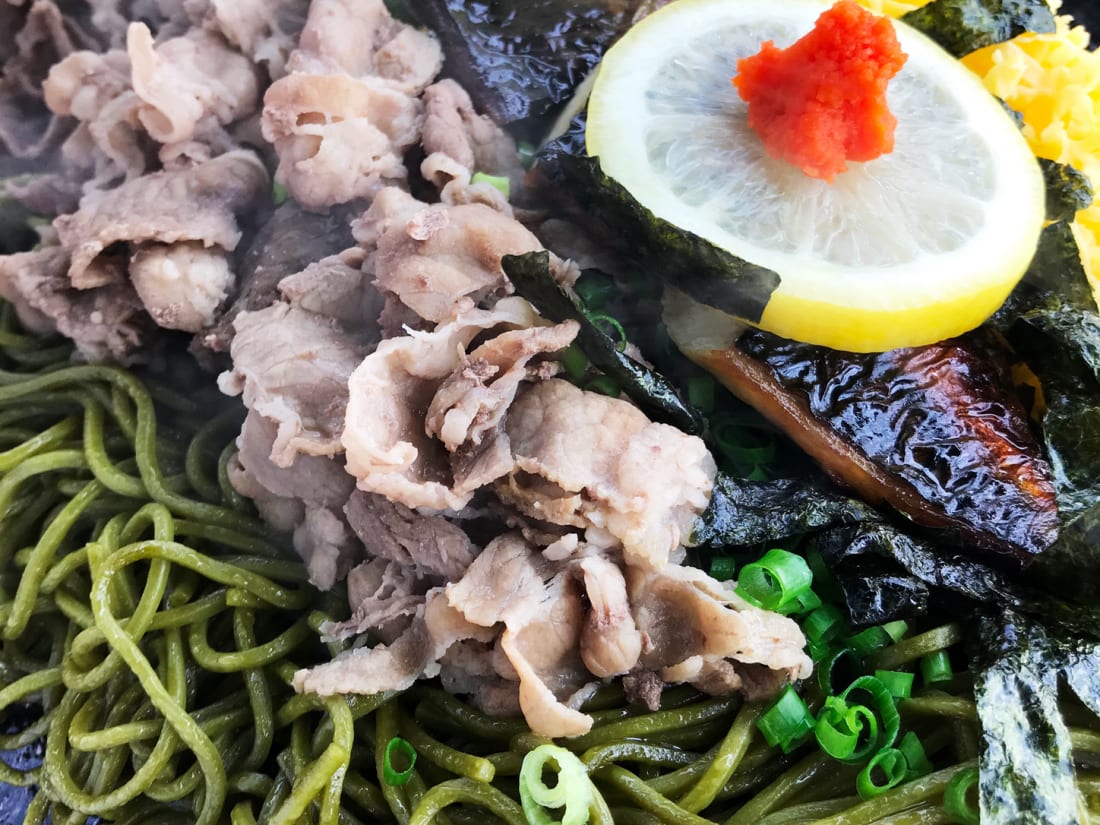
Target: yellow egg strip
[1053, 80]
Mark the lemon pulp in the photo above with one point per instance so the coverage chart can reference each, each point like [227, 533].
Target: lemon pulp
[915, 246]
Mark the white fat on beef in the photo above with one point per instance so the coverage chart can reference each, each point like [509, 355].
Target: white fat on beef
[587, 460]
[540, 606]
[292, 367]
[361, 39]
[327, 546]
[185, 80]
[439, 254]
[197, 204]
[338, 138]
[610, 642]
[696, 629]
[424, 544]
[388, 450]
[182, 285]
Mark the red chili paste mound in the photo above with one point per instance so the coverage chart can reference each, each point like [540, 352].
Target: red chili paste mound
[822, 101]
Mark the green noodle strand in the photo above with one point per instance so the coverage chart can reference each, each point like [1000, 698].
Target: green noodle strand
[729, 756]
[468, 792]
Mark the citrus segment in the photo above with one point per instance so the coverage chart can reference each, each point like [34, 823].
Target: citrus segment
[909, 248]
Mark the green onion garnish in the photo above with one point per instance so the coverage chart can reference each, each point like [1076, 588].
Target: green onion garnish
[278, 193]
[390, 774]
[572, 791]
[915, 756]
[841, 728]
[957, 801]
[936, 667]
[868, 641]
[575, 362]
[604, 385]
[881, 702]
[788, 722]
[700, 393]
[837, 669]
[898, 682]
[896, 630]
[498, 182]
[600, 319]
[595, 289]
[890, 764]
[776, 581]
[722, 568]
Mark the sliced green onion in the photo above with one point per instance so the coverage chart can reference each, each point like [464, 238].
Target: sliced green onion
[936, 667]
[498, 182]
[604, 385]
[595, 289]
[601, 319]
[575, 362]
[881, 702]
[898, 682]
[915, 757]
[841, 728]
[868, 641]
[957, 801]
[700, 393]
[788, 722]
[527, 152]
[278, 193]
[775, 581]
[896, 630]
[823, 624]
[891, 764]
[722, 568]
[806, 601]
[572, 791]
[392, 775]
[839, 668]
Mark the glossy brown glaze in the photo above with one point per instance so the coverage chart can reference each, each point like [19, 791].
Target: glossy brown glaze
[934, 431]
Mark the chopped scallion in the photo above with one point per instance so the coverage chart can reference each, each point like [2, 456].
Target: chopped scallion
[936, 667]
[722, 568]
[881, 703]
[595, 289]
[846, 733]
[885, 770]
[915, 756]
[868, 641]
[958, 799]
[390, 774]
[700, 392]
[604, 385]
[898, 682]
[788, 722]
[575, 362]
[572, 791]
[837, 669]
[498, 182]
[606, 321]
[278, 193]
[776, 581]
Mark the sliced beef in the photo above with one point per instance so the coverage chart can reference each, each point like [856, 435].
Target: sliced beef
[388, 449]
[198, 204]
[106, 324]
[383, 595]
[541, 609]
[326, 545]
[360, 38]
[336, 287]
[264, 30]
[185, 80]
[338, 138]
[431, 257]
[426, 545]
[610, 642]
[587, 460]
[292, 367]
[288, 242]
[697, 630]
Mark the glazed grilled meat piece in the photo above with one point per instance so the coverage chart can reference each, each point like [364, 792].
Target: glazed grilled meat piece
[934, 431]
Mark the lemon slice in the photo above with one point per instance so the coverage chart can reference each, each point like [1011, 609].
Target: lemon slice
[913, 247]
